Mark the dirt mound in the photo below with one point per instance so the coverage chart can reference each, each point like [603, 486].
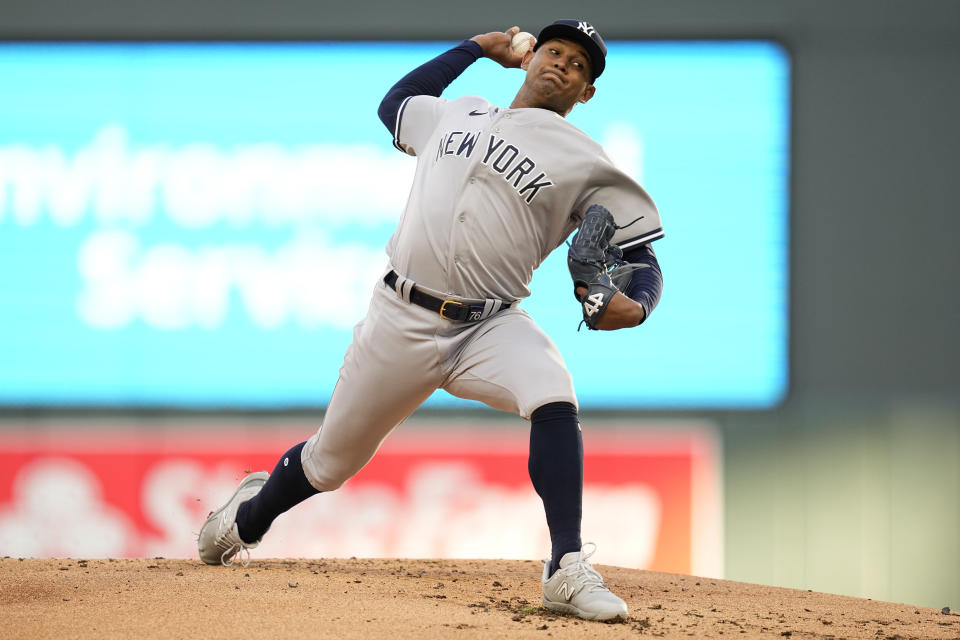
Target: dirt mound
[380, 598]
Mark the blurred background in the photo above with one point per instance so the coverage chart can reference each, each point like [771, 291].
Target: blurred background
[178, 181]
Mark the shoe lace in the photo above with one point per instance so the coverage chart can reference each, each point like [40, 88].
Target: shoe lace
[236, 546]
[239, 549]
[584, 571]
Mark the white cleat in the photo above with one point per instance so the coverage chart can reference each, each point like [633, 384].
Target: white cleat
[577, 588]
[219, 541]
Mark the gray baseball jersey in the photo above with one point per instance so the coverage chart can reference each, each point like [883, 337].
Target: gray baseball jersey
[495, 191]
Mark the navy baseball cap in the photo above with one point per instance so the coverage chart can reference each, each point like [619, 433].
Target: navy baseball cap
[580, 32]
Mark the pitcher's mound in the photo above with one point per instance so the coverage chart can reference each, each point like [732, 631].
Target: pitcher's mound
[396, 599]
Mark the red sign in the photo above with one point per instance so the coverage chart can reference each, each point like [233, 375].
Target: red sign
[651, 496]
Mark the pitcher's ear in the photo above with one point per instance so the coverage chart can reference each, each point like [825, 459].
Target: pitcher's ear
[527, 57]
[587, 93]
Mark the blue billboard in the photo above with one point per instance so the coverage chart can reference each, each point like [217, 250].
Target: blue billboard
[200, 225]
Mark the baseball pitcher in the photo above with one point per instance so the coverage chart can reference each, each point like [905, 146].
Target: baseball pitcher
[496, 190]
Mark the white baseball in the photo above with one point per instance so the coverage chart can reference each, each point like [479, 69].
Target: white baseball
[521, 43]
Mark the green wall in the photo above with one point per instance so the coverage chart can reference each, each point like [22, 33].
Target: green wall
[854, 500]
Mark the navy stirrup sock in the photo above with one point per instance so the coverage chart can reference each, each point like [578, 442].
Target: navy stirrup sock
[287, 486]
[556, 469]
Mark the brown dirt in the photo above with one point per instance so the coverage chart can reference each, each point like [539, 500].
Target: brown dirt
[358, 598]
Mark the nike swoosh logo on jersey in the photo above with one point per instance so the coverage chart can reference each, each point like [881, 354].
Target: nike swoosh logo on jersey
[478, 113]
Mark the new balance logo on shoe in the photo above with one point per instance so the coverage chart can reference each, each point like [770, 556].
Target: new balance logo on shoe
[564, 591]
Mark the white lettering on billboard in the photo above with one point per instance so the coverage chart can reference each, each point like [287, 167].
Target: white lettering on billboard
[113, 182]
[309, 281]
[443, 509]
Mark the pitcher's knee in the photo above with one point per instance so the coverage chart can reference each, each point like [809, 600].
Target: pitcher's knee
[325, 476]
[322, 469]
[559, 398]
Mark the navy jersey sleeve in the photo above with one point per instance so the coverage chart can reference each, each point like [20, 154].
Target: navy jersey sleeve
[646, 284]
[430, 79]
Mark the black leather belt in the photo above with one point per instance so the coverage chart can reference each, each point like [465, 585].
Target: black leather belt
[449, 309]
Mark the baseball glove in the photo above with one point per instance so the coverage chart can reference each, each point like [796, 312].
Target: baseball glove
[589, 258]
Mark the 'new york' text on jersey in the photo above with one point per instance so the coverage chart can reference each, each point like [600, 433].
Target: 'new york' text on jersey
[504, 158]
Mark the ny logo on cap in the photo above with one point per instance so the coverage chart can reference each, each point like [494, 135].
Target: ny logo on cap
[587, 28]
